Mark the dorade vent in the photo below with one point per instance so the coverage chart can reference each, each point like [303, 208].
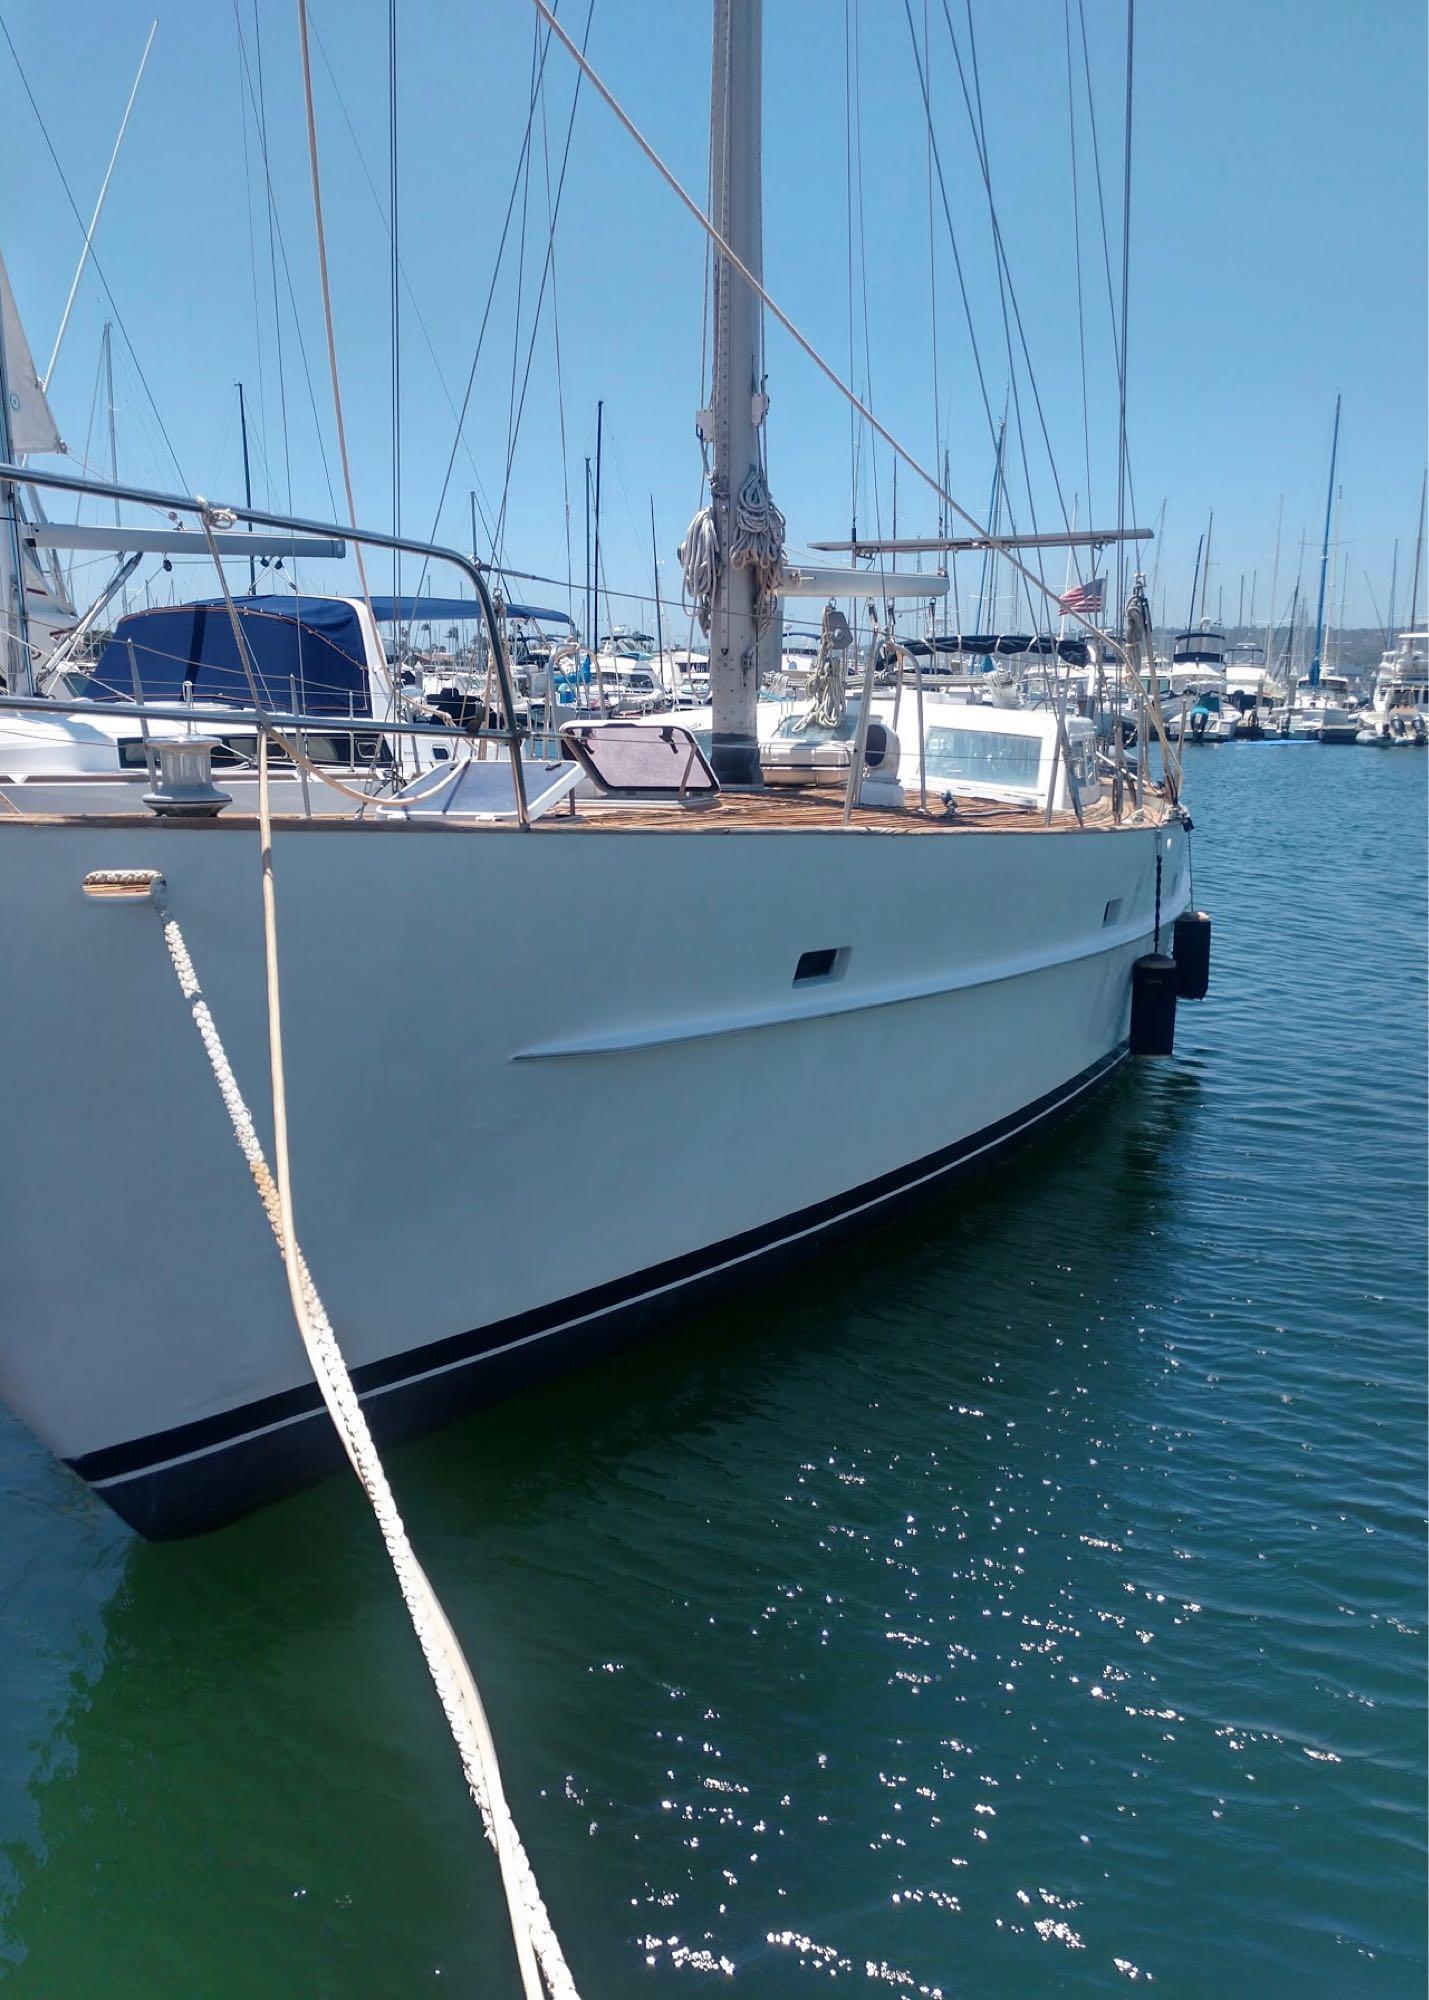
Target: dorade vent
[819, 965]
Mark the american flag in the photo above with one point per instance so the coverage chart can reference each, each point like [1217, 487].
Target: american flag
[1084, 597]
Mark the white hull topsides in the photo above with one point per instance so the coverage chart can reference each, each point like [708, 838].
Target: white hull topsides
[503, 1155]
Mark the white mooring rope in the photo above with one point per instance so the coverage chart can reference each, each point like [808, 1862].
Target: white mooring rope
[538, 1949]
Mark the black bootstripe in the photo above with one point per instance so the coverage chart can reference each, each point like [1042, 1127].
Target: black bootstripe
[113, 1466]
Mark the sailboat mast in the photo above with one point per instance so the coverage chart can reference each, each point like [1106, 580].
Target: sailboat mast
[1339, 577]
[247, 481]
[659, 618]
[1418, 558]
[987, 584]
[1274, 581]
[595, 573]
[113, 438]
[1325, 553]
[16, 665]
[1206, 572]
[738, 404]
[1195, 580]
[1393, 589]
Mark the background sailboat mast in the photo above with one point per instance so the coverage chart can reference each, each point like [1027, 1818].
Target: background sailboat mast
[113, 440]
[1325, 554]
[659, 615]
[16, 665]
[737, 405]
[1274, 582]
[1195, 580]
[1418, 558]
[248, 480]
[1206, 572]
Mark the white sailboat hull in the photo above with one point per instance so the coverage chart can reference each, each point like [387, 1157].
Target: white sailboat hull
[542, 1087]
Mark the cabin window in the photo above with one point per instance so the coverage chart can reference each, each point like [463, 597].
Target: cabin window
[820, 965]
[988, 756]
[799, 729]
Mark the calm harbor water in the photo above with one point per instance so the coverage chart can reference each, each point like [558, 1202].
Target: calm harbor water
[1028, 1600]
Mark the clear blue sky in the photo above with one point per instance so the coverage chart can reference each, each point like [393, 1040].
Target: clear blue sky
[1278, 255]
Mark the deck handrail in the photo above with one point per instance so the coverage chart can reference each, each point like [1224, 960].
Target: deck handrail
[205, 510]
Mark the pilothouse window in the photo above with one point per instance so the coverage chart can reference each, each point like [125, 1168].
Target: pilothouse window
[992, 756]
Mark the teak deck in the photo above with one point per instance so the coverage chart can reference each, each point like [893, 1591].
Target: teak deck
[778, 811]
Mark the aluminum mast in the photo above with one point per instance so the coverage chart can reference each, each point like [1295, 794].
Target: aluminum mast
[738, 405]
[1325, 553]
[16, 666]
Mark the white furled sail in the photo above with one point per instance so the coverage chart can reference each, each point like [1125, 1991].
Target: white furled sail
[32, 427]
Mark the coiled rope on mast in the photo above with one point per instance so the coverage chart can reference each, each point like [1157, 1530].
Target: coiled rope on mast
[758, 542]
[698, 556]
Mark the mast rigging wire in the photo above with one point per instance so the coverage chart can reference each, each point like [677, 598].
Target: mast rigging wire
[98, 210]
[546, 272]
[1101, 212]
[1122, 468]
[952, 233]
[414, 303]
[538, 77]
[258, 101]
[327, 294]
[395, 285]
[1004, 288]
[933, 284]
[1007, 290]
[1077, 256]
[252, 259]
[854, 83]
[556, 333]
[93, 258]
[486, 310]
[737, 264]
[274, 236]
[848, 240]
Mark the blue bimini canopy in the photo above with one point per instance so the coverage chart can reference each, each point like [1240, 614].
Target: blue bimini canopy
[985, 644]
[308, 646]
[450, 610]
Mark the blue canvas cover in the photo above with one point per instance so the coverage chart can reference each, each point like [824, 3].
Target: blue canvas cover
[450, 610]
[311, 644]
[1073, 651]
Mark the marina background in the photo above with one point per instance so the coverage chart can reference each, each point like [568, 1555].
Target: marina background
[1278, 228]
[1026, 1599]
